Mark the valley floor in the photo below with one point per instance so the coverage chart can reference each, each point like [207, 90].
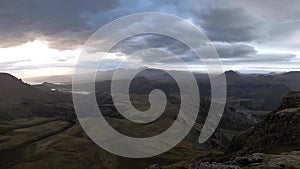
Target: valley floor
[52, 143]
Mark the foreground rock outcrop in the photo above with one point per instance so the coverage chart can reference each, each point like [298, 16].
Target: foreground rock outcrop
[279, 132]
[273, 143]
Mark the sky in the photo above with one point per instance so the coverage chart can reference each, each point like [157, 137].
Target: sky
[43, 38]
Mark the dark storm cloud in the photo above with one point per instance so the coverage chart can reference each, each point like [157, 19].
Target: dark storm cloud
[283, 35]
[168, 47]
[145, 41]
[241, 31]
[140, 42]
[233, 28]
[65, 24]
[229, 24]
[270, 23]
[57, 20]
[227, 50]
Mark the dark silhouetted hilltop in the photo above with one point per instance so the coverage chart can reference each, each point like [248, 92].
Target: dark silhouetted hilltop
[14, 90]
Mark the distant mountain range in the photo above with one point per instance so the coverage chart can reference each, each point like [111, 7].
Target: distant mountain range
[269, 88]
[265, 89]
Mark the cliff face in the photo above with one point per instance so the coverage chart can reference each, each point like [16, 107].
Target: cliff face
[279, 132]
[292, 100]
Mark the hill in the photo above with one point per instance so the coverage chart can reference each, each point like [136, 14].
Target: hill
[19, 99]
[14, 90]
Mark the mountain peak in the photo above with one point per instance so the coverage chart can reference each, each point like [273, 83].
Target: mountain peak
[232, 76]
[231, 72]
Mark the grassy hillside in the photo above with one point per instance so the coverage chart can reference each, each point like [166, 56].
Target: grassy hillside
[59, 144]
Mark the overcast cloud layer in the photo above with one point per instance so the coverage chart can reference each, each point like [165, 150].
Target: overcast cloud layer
[250, 36]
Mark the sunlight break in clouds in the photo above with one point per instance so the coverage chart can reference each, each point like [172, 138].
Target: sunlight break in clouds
[250, 36]
[35, 58]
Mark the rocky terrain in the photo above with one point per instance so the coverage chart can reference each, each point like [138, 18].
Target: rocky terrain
[272, 143]
[278, 133]
[38, 126]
